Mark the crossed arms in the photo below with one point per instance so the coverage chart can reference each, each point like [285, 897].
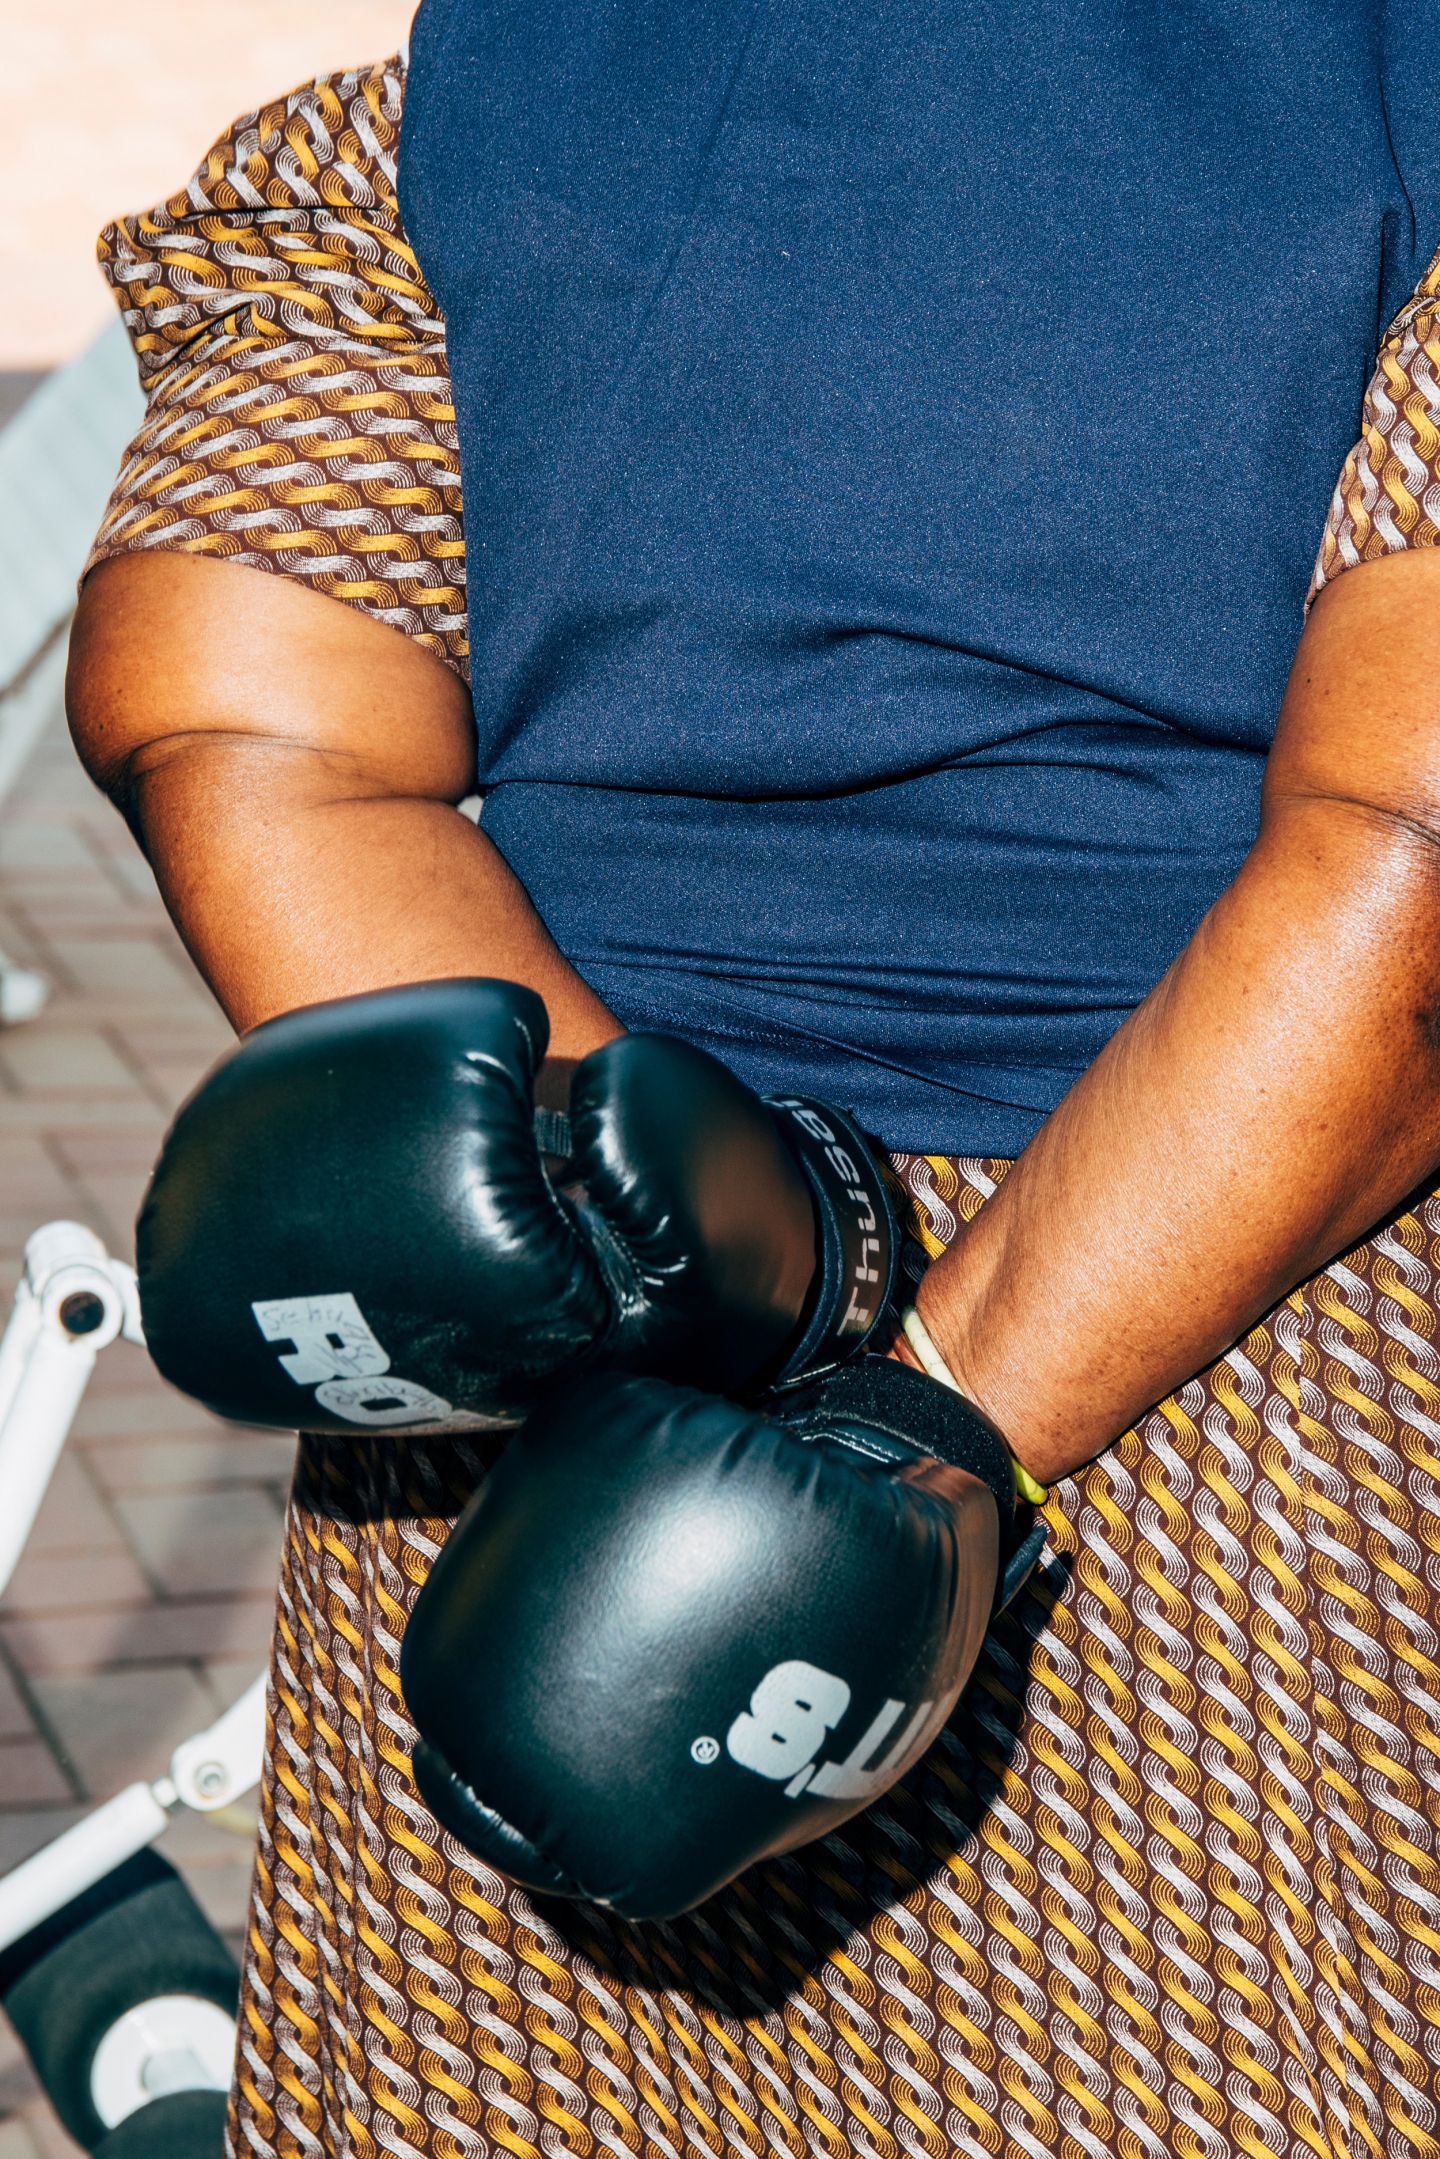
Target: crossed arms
[290, 766]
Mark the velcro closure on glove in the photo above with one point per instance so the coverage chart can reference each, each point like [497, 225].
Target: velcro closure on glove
[552, 1132]
[876, 1395]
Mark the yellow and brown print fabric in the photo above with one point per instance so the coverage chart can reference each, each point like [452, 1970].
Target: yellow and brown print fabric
[1167, 1886]
[1388, 494]
[299, 414]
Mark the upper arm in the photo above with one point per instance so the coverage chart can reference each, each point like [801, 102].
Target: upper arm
[1360, 723]
[299, 424]
[173, 656]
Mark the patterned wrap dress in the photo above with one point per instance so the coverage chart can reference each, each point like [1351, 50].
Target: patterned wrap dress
[1168, 1882]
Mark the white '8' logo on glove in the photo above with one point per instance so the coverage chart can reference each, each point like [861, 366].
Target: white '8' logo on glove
[790, 1712]
[784, 1728]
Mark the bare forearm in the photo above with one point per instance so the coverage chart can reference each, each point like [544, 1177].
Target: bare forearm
[1269, 1101]
[1278, 1091]
[289, 892]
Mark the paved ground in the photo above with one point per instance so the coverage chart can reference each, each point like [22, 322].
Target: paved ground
[142, 1605]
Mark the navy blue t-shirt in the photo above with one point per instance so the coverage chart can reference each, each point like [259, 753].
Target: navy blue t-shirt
[895, 441]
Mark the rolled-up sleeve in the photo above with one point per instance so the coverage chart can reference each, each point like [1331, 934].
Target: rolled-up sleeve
[299, 415]
[1388, 494]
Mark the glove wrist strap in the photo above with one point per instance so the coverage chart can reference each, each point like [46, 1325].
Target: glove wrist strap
[858, 1241]
[917, 1334]
[552, 1132]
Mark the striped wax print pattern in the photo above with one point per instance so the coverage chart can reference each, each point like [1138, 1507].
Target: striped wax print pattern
[1388, 495]
[1166, 1885]
[299, 414]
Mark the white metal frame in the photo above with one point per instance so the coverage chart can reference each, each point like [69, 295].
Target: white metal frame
[73, 1301]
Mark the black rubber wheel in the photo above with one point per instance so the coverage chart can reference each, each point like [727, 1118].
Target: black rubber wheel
[136, 1934]
[186, 2125]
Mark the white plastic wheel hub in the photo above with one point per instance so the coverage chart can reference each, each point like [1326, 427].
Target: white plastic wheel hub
[172, 2043]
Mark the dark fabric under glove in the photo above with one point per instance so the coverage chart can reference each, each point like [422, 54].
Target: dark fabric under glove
[670, 1636]
[352, 1222]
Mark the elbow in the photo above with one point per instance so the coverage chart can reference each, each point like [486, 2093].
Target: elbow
[98, 708]
[1395, 825]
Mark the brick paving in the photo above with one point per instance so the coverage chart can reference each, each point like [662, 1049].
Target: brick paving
[141, 1607]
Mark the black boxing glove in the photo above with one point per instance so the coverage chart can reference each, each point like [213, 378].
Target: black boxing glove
[670, 1636]
[351, 1222]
